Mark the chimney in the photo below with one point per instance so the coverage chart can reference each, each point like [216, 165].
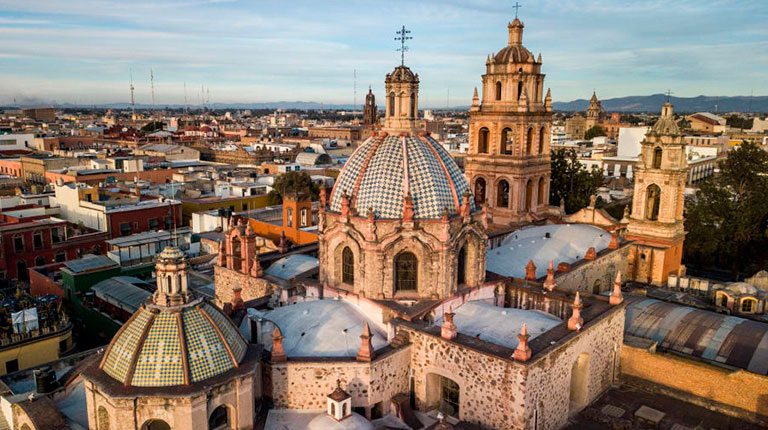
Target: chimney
[366, 352]
[449, 330]
[237, 299]
[576, 322]
[523, 351]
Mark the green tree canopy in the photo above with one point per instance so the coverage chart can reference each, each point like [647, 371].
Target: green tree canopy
[572, 181]
[727, 218]
[291, 183]
[594, 132]
[152, 126]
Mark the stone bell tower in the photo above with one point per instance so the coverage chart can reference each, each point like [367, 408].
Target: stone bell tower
[171, 269]
[656, 222]
[508, 164]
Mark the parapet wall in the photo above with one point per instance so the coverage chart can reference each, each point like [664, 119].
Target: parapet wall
[733, 392]
[596, 276]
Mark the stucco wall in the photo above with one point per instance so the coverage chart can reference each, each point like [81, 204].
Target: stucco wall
[734, 392]
[306, 385]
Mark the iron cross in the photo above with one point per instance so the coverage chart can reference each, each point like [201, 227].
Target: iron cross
[403, 36]
[668, 93]
[517, 6]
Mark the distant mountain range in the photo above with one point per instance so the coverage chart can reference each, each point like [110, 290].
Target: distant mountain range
[653, 103]
[650, 103]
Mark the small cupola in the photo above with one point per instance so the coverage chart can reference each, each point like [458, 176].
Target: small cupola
[339, 403]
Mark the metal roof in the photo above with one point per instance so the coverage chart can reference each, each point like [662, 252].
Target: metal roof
[123, 292]
[706, 335]
[292, 266]
[89, 262]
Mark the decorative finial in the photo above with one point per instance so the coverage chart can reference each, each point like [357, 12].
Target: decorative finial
[517, 7]
[523, 351]
[616, 297]
[402, 37]
[366, 352]
[668, 93]
[576, 322]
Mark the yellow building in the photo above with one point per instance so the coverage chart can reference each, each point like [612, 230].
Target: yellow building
[33, 348]
[236, 204]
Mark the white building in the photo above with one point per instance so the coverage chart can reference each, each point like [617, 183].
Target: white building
[17, 141]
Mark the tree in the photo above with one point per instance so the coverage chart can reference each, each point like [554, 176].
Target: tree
[593, 132]
[727, 218]
[294, 182]
[152, 126]
[571, 181]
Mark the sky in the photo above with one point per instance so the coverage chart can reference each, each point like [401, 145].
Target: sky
[83, 51]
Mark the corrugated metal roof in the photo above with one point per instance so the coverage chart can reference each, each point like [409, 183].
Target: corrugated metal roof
[121, 291]
[710, 336]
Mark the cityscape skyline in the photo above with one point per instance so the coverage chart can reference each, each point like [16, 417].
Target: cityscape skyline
[82, 52]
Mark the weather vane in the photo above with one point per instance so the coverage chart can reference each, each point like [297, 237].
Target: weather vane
[517, 6]
[668, 93]
[403, 36]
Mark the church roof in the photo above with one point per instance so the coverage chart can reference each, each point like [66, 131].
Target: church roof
[386, 168]
[160, 346]
[666, 125]
[706, 335]
[402, 73]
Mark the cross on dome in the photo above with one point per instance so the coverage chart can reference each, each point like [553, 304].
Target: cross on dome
[402, 37]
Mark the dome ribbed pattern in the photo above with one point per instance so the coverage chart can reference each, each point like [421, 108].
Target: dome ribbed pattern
[383, 170]
[160, 347]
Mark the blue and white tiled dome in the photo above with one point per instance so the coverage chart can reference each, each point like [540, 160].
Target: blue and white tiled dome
[386, 168]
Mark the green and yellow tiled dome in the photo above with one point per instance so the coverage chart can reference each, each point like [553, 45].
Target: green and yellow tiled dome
[167, 346]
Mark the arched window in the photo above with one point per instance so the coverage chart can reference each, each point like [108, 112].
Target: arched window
[502, 194]
[519, 89]
[39, 260]
[482, 141]
[18, 243]
[528, 195]
[21, 270]
[722, 299]
[347, 266]
[542, 191]
[413, 105]
[498, 90]
[507, 141]
[37, 240]
[60, 257]
[103, 417]
[529, 142]
[461, 266]
[392, 104]
[479, 191]
[653, 199]
[748, 305]
[657, 158]
[406, 272]
[155, 425]
[542, 133]
[219, 419]
[333, 409]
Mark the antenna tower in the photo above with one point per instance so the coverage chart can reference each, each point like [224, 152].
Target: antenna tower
[133, 106]
[354, 103]
[152, 85]
[186, 106]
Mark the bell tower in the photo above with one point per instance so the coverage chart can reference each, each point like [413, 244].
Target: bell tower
[656, 222]
[508, 164]
[171, 269]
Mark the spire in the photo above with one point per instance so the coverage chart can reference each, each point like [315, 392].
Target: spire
[256, 270]
[576, 322]
[523, 351]
[278, 353]
[614, 241]
[366, 352]
[549, 283]
[616, 297]
[220, 260]
[530, 271]
[548, 101]
[538, 60]
[475, 101]
[449, 330]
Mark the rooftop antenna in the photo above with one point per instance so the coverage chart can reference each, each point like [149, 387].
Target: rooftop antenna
[402, 37]
[354, 104]
[749, 107]
[448, 100]
[133, 106]
[186, 106]
[208, 96]
[152, 85]
[717, 99]
[517, 6]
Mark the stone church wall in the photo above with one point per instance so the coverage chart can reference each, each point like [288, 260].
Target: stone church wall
[491, 389]
[585, 274]
[733, 392]
[228, 279]
[306, 385]
[548, 386]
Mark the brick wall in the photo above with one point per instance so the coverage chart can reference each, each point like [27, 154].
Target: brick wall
[228, 279]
